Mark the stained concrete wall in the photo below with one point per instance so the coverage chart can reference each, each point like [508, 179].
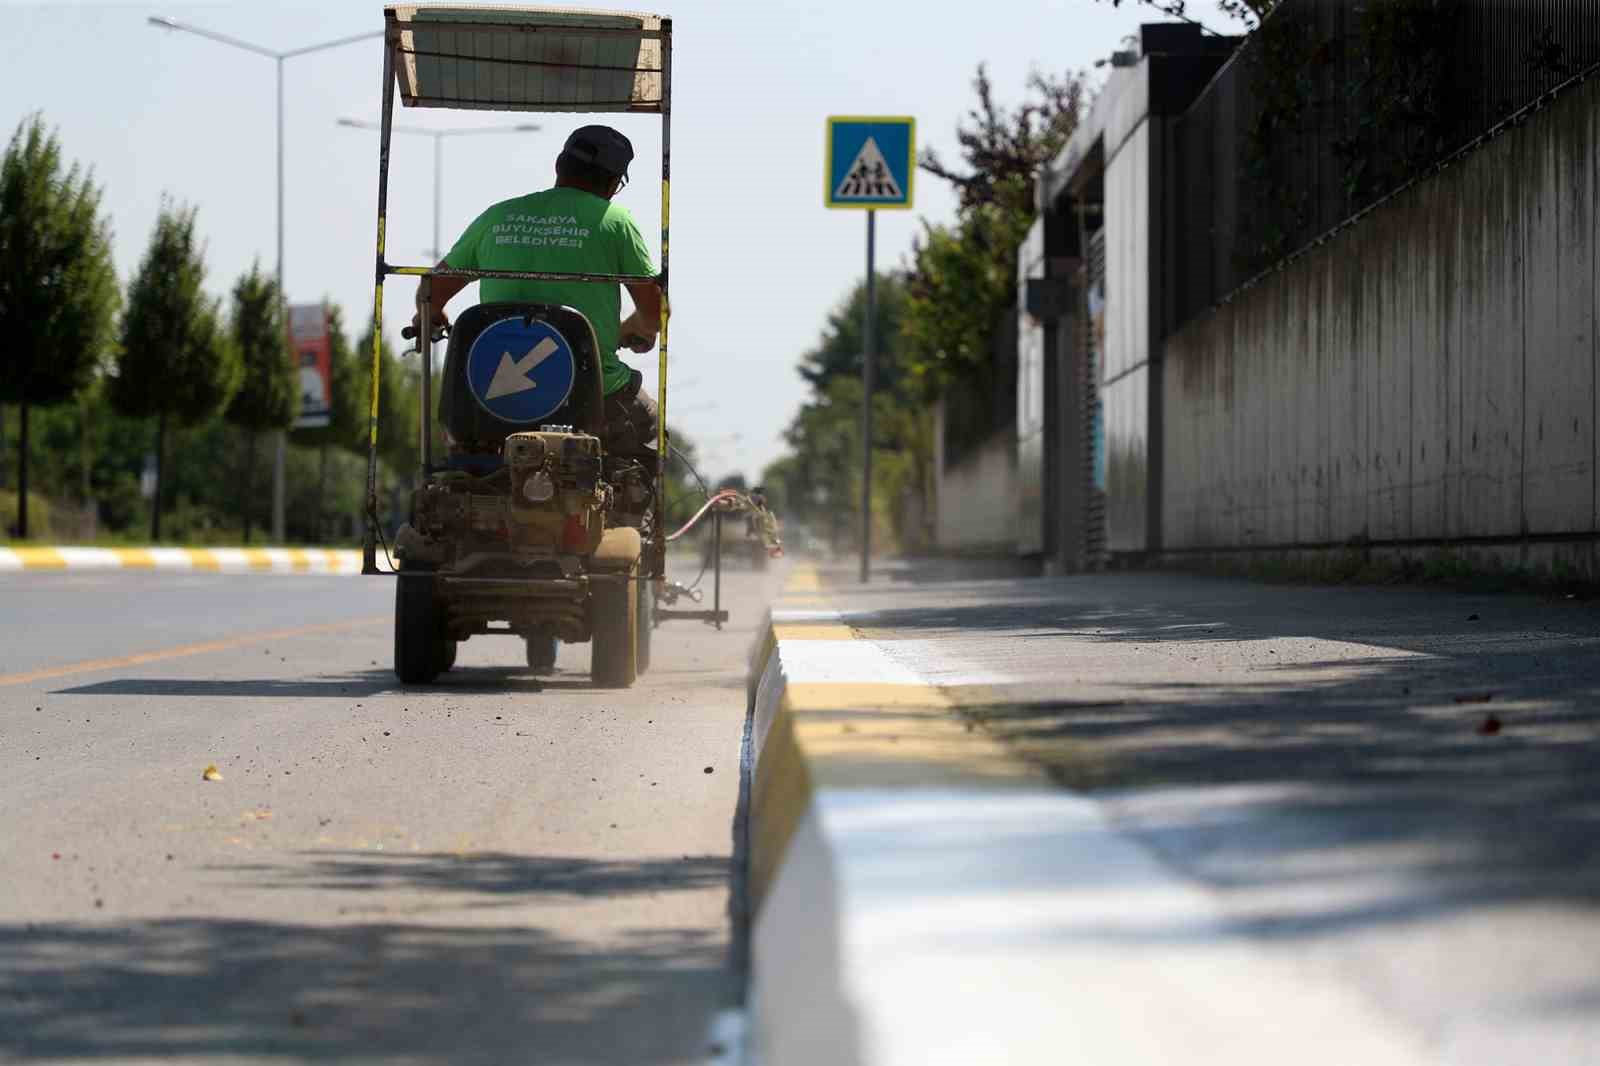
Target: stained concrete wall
[978, 505]
[1426, 376]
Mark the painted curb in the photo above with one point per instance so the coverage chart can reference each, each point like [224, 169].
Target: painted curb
[203, 560]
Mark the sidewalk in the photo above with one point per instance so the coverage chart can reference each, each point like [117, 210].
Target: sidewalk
[1160, 819]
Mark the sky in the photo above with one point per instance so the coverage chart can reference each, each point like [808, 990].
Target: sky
[757, 262]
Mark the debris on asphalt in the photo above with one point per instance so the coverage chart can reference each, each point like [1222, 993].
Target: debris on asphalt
[1475, 697]
[1472, 618]
[1489, 726]
[709, 770]
[211, 773]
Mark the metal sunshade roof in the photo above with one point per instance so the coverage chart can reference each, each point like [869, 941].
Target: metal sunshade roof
[527, 58]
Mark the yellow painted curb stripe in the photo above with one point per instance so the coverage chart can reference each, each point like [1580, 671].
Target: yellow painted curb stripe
[182, 650]
[812, 631]
[39, 558]
[136, 558]
[200, 559]
[863, 735]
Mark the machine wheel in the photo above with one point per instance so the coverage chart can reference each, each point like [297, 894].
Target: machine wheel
[615, 609]
[447, 656]
[542, 652]
[418, 656]
[646, 623]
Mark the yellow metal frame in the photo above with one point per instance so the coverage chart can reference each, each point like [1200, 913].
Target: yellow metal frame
[385, 270]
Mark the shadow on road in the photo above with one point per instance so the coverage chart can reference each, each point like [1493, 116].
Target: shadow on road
[212, 989]
[494, 873]
[341, 686]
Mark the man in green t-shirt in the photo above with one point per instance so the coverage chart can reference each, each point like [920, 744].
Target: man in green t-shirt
[574, 228]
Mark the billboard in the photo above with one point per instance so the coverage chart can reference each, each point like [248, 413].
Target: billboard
[313, 360]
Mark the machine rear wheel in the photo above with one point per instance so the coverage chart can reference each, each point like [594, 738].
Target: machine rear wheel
[541, 652]
[646, 623]
[417, 654]
[615, 607]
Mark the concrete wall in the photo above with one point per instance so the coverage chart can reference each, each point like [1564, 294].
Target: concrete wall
[1031, 401]
[1125, 383]
[977, 506]
[1427, 376]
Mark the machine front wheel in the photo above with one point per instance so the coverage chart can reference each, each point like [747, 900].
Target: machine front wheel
[615, 609]
[418, 657]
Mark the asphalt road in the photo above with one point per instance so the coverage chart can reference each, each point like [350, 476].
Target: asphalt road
[495, 869]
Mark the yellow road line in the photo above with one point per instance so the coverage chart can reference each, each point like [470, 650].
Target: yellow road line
[178, 652]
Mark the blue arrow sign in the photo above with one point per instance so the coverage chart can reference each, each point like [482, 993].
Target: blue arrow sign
[871, 162]
[520, 372]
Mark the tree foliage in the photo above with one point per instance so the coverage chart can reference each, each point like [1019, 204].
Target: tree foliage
[176, 359]
[1248, 12]
[58, 289]
[266, 398]
[177, 362]
[964, 276]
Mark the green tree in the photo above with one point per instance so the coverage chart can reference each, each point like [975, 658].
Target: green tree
[964, 275]
[838, 349]
[266, 399]
[177, 363]
[58, 289]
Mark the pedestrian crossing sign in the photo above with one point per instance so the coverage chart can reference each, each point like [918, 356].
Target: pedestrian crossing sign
[871, 162]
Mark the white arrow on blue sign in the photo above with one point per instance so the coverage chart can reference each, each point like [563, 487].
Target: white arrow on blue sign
[521, 372]
[871, 162]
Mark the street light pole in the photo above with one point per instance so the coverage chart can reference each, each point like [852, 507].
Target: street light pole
[278, 492]
[438, 157]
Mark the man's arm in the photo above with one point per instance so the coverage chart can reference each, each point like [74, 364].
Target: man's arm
[444, 290]
[640, 328]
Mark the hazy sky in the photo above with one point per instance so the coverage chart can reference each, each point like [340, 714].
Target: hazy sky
[757, 262]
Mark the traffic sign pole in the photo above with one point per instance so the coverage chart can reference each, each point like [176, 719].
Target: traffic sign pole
[871, 165]
[868, 358]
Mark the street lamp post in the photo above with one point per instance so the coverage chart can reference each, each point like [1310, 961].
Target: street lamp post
[438, 156]
[278, 59]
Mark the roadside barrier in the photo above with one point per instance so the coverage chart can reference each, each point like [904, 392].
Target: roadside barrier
[203, 560]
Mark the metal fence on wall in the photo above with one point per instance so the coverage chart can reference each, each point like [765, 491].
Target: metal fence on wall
[1333, 104]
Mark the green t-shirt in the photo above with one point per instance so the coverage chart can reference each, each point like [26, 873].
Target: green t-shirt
[560, 230]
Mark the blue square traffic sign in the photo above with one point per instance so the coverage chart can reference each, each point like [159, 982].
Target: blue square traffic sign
[871, 162]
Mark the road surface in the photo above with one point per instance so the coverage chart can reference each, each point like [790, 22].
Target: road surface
[495, 869]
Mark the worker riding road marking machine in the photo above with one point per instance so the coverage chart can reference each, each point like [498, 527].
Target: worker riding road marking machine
[535, 522]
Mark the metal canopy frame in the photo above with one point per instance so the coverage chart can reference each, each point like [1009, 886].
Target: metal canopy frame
[485, 39]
